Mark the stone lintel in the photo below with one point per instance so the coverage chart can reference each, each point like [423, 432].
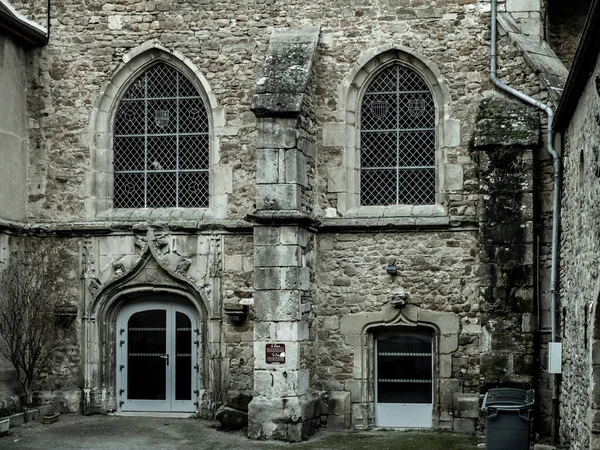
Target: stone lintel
[285, 74]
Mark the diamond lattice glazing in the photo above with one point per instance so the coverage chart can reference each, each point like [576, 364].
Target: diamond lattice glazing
[397, 140]
[161, 143]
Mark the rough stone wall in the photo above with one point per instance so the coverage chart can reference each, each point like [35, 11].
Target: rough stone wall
[13, 129]
[238, 357]
[579, 277]
[439, 271]
[227, 41]
[565, 24]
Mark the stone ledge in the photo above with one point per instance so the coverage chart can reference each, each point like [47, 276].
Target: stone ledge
[458, 223]
[283, 217]
[108, 226]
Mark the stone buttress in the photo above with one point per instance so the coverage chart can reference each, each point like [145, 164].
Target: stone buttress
[284, 406]
[506, 135]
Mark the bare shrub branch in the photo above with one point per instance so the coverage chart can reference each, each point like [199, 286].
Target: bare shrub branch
[32, 291]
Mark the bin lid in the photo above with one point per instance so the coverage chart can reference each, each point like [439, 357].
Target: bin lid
[508, 398]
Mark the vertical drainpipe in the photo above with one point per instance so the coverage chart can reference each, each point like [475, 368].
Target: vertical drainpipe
[555, 206]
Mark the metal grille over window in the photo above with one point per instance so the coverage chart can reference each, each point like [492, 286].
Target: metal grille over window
[397, 154]
[161, 143]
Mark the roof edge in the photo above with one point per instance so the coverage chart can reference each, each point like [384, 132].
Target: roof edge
[583, 64]
[17, 24]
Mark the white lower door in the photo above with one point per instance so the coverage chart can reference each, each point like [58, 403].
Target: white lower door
[404, 379]
[157, 358]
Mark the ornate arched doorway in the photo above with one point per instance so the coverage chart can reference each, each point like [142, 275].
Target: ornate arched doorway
[158, 345]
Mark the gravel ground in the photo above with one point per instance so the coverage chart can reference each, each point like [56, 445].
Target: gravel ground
[148, 433]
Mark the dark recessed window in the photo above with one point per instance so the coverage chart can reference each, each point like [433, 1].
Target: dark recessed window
[397, 140]
[161, 143]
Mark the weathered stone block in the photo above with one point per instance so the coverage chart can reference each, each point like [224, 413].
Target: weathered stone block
[267, 166]
[522, 5]
[295, 278]
[277, 256]
[275, 133]
[295, 167]
[503, 122]
[232, 419]
[280, 383]
[266, 235]
[286, 72]
[285, 419]
[337, 403]
[277, 305]
[334, 135]
[278, 196]
[267, 278]
[453, 173]
[466, 426]
[448, 387]
[465, 405]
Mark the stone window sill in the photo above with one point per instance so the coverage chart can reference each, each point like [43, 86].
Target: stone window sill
[397, 211]
[156, 214]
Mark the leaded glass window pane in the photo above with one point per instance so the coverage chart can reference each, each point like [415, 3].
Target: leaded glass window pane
[397, 154]
[161, 143]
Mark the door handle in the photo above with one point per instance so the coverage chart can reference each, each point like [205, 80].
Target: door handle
[165, 357]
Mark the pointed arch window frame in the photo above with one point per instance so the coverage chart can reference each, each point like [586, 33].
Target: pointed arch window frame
[159, 158]
[447, 133]
[397, 141]
[99, 203]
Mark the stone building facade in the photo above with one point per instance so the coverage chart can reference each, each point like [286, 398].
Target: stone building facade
[579, 126]
[228, 167]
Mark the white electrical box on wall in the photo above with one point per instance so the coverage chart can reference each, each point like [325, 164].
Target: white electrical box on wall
[554, 357]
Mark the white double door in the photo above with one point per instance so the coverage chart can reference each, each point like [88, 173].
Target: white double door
[404, 379]
[157, 357]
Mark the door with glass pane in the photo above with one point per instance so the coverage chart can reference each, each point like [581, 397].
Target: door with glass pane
[157, 357]
[404, 378]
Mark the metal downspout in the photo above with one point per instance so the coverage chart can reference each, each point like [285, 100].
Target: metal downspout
[555, 206]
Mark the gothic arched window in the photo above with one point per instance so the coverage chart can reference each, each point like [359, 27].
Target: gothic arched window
[161, 143]
[397, 140]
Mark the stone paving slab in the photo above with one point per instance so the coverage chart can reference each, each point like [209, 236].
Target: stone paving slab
[75, 432]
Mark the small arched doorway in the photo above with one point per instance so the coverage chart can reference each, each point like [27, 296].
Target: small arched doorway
[157, 349]
[404, 381]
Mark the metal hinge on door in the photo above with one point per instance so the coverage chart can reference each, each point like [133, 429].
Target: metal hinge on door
[121, 367]
[121, 391]
[197, 367]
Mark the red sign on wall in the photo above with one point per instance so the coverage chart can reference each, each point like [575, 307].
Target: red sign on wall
[275, 353]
